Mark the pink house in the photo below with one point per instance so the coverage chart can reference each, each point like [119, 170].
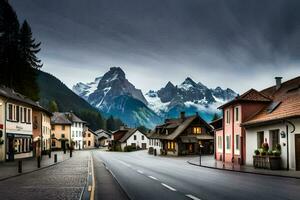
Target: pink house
[230, 141]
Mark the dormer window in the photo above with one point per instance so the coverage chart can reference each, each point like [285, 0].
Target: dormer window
[197, 130]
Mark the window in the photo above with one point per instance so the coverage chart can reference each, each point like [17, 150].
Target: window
[10, 112]
[89, 135]
[220, 142]
[53, 143]
[227, 116]
[236, 114]
[237, 142]
[134, 137]
[29, 117]
[89, 143]
[274, 139]
[25, 114]
[52, 127]
[143, 137]
[197, 130]
[18, 113]
[260, 139]
[228, 137]
[171, 145]
[62, 135]
[21, 115]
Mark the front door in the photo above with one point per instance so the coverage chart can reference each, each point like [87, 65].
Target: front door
[144, 146]
[297, 151]
[191, 148]
[11, 149]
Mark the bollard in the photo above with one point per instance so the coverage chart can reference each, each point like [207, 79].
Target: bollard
[49, 154]
[70, 153]
[39, 161]
[65, 151]
[55, 158]
[20, 166]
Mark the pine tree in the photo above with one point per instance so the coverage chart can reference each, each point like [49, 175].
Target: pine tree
[28, 47]
[53, 106]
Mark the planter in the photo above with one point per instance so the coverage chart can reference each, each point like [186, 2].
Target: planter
[267, 162]
[275, 162]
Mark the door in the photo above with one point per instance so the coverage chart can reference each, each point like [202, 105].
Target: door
[297, 151]
[144, 145]
[11, 149]
[191, 148]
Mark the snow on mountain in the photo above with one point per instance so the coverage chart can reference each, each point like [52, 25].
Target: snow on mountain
[84, 90]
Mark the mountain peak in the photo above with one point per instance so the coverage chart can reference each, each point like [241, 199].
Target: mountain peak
[169, 85]
[116, 71]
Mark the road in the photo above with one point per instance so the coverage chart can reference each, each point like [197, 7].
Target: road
[144, 176]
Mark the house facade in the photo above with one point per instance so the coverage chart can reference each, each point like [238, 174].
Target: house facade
[16, 125]
[129, 137]
[60, 131]
[41, 131]
[89, 139]
[230, 139]
[277, 124]
[182, 136]
[103, 137]
[77, 129]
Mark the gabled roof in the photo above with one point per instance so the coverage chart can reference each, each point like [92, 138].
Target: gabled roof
[285, 103]
[103, 133]
[180, 125]
[129, 133]
[73, 118]
[60, 118]
[251, 95]
[11, 94]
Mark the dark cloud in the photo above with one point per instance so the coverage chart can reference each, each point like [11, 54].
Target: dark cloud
[195, 36]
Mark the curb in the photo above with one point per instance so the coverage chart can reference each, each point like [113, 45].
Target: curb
[245, 172]
[35, 170]
[88, 192]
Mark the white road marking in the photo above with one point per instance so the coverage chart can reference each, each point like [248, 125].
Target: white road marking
[139, 171]
[192, 197]
[169, 187]
[124, 163]
[153, 178]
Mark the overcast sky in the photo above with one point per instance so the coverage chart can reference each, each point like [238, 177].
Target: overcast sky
[229, 43]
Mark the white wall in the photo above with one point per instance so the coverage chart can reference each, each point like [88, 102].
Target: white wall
[155, 144]
[251, 142]
[76, 134]
[138, 141]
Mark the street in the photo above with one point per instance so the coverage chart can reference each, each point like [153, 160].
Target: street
[144, 176]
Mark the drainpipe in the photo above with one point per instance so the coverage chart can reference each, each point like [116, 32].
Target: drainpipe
[42, 143]
[4, 130]
[287, 142]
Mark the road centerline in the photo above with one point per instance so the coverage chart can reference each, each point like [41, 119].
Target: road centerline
[139, 171]
[192, 197]
[152, 177]
[169, 187]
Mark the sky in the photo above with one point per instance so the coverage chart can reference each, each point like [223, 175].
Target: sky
[235, 44]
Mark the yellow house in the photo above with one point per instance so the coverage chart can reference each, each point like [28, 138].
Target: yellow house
[61, 131]
[89, 139]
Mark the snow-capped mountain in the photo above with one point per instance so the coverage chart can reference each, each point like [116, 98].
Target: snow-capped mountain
[114, 95]
[188, 96]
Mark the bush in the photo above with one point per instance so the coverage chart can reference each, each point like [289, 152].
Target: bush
[270, 153]
[128, 149]
[278, 147]
[265, 146]
[263, 153]
[117, 148]
[256, 152]
[276, 153]
[150, 150]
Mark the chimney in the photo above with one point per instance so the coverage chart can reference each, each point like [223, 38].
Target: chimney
[122, 127]
[182, 115]
[278, 82]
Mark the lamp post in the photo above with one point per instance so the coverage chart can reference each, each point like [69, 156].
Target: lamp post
[200, 152]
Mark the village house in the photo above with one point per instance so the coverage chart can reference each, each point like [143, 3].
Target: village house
[61, 131]
[230, 139]
[278, 123]
[129, 137]
[16, 125]
[182, 136]
[41, 131]
[103, 137]
[89, 139]
[77, 129]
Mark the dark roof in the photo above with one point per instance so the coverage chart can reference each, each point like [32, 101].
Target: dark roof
[175, 127]
[251, 95]
[285, 103]
[11, 94]
[73, 118]
[217, 124]
[60, 118]
[129, 133]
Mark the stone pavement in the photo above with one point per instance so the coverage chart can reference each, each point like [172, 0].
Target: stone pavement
[65, 180]
[10, 169]
[210, 162]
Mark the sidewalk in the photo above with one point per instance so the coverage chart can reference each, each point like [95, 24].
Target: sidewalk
[10, 169]
[210, 162]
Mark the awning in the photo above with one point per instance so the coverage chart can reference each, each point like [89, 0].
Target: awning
[204, 137]
[189, 139]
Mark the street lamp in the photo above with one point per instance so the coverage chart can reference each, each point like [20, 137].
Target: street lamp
[200, 152]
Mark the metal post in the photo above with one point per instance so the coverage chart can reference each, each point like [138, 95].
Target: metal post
[49, 154]
[70, 153]
[55, 158]
[20, 166]
[200, 156]
[39, 161]
[65, 151]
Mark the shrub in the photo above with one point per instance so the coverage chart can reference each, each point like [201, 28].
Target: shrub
[270, 153]
[128, 148]
[263, 153]
[278, 147]
[276, 153]
[265, 146]
[256, 152]
[150, 150]
[117, 148]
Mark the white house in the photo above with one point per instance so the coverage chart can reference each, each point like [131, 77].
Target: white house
[277, 123]
[103, 137]
[130, 137]
[77, 129]
[156, 144]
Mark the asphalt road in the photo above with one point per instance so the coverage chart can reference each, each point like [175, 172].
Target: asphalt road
[144, 176]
